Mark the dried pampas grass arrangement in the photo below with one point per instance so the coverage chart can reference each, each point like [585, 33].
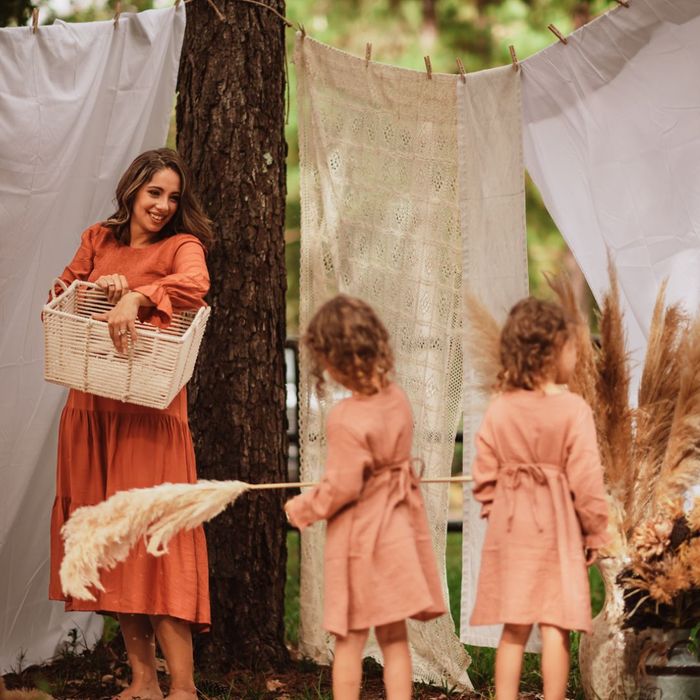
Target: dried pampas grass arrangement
[651, 453]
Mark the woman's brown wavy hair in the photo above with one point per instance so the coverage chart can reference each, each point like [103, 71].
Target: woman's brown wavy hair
[531, 340]
[189, 217]
[346, 335]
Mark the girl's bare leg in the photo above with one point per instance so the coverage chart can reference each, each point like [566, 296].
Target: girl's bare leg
[555, 661]
[347, 665]
[175, 640]
[141, 652]
[509, 660]
[398, 675]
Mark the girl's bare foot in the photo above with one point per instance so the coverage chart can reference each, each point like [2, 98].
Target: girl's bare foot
[181, 694]
[140, 692]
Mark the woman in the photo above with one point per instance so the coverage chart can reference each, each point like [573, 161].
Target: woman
[148, 267]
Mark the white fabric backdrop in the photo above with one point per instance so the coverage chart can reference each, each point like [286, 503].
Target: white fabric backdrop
[77, 103]
[612, 141]
[494, 263]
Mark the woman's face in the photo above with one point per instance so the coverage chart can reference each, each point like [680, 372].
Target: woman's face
[155, 203]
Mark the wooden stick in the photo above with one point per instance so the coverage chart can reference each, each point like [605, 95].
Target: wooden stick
[305, 484]
[217, 11]
[368, 53]
[462, 72]
[557, 33]
[514, 58]
[428, 67]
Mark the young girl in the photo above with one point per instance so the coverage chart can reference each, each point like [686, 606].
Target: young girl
[379, 562]
[538, 476]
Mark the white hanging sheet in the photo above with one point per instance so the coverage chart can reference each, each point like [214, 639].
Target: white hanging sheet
[77, 103]
[494, 265]
[612, 141]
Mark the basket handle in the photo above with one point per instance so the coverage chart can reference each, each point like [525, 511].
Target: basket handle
[60, 282]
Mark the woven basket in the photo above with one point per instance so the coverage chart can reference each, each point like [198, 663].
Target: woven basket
[80, 354]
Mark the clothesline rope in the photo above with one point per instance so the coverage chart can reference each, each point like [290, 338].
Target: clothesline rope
[298, 26]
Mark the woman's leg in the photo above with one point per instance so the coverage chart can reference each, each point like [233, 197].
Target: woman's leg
[555, 661]
[509, 660]
[175, 640]
[347, 665]
[398, 675]
[141, 650]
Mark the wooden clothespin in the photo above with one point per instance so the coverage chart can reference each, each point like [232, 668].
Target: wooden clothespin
[177, 3]
[117, 13]
[35, 20]
[428, 67]
[624, 3]
[217, 11]
[368, 53]
[302, 30]
[462, 72]
[514, 58]
[557, 33]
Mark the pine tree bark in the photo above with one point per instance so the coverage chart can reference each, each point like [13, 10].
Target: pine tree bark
[230, 122]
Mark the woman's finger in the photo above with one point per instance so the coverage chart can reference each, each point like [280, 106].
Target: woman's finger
[132, 331]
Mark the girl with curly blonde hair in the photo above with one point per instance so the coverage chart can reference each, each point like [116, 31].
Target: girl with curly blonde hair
[379, 563]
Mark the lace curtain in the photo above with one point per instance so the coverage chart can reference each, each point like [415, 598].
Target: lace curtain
[381, 220]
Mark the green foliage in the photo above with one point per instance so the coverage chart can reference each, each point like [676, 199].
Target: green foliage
[15, 13]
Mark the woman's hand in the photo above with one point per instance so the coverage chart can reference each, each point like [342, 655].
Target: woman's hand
[122, 320]
[114, 286]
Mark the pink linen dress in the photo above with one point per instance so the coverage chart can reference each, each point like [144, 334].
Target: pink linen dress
[538, 476]
[379, 561]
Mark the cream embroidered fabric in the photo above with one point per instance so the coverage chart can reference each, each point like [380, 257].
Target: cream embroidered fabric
[380, 220]
[381, 203]
[494, 262]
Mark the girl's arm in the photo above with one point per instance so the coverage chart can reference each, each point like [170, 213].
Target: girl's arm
[585, 475]
[183, 289]
[485, 468]
[342, 481]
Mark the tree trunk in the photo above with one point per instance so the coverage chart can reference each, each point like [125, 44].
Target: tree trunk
[230, 122]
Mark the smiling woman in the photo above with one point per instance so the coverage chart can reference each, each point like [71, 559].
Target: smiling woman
[149, 258]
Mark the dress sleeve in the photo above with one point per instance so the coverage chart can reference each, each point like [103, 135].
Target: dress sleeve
[80, 267]
[585, 475]
[485, 467]
[184, 289]
[342, 482]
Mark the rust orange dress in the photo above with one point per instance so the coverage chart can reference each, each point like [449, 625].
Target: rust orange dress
[105, 446]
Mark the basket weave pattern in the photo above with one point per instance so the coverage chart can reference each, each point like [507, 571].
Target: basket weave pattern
[79, 352]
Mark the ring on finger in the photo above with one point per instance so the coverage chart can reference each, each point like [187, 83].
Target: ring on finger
[122, 331]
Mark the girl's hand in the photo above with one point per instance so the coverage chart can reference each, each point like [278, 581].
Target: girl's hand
[114, 286]
[591, 556]
[122, 321]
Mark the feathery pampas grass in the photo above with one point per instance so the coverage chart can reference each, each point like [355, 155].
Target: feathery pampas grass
[102, 535]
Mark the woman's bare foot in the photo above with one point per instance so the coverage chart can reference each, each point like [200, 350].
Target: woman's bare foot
[140, 692]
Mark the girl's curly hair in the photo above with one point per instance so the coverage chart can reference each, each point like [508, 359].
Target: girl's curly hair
[531, 340]
[346, 335]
